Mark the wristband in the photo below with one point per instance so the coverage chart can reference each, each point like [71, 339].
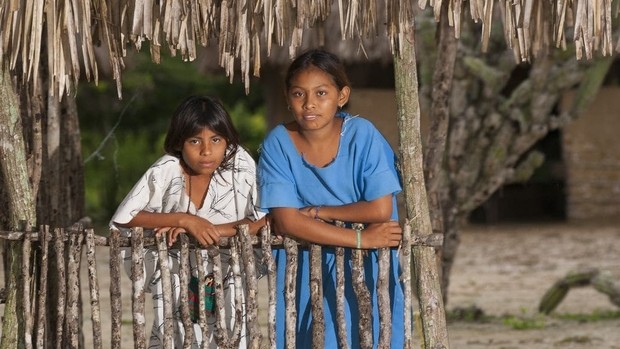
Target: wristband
[358, 234]
[316, 211]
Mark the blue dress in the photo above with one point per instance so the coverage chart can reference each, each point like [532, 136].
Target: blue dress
[364, 169]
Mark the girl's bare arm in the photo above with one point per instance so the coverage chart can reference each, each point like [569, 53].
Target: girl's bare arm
[293, 222]
[176, 223]
[375, 211]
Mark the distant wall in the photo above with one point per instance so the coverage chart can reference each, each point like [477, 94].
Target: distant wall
[379, 106]
[591, 151]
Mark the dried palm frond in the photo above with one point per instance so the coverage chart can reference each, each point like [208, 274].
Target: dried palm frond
[69, 30]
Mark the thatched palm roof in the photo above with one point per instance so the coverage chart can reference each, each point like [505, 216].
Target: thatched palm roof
[246, 30]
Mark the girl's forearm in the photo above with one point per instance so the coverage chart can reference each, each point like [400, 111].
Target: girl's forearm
[291, 222]
[152, 220]
[230, 229]
[376, 211]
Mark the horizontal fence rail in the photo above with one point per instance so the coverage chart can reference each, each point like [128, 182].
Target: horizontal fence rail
[71, 243]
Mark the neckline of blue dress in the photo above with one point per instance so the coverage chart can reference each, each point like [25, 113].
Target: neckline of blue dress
[341, 114]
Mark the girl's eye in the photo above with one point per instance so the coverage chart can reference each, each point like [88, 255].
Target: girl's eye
[193, 141]
[297, 94]
[216, 139]
[321, 93]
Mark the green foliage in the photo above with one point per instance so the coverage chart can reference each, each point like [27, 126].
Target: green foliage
[467, 314]
[122, 138]
[576, 339]
[597, 315]
[524, 322]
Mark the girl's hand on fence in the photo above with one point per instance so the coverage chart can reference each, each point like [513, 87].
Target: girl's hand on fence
[203, 231]
[378, 235]
[171, 233]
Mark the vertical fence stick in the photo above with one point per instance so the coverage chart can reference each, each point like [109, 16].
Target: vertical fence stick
[406, 280]
[73, 286]
[271, 285]
[184, 273]
[221, 333]
[115, 288]
[166, 283]
[316, 297]
[44, 237]
[93, 284]
[341, 321]
[290, 288]
[235, 253]
[251, 287]
[138, 283]
[383, 298]
[27, 282]
[363, 299]
[59, 248]
[201, 267]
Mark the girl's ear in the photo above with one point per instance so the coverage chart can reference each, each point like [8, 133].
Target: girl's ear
[343, 96]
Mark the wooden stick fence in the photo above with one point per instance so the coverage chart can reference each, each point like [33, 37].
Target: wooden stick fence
[243, 262]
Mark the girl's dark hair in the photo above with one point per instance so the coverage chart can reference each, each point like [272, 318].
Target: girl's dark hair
[194, 115]
[323, 60]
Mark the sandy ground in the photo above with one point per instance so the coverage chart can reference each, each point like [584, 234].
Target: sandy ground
[507, 269]
[502, 270]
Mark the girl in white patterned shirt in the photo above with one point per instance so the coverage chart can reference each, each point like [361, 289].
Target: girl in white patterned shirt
[204, 186]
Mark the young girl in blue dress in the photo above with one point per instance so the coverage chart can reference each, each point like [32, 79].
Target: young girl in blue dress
[323, 166]
[204, 186]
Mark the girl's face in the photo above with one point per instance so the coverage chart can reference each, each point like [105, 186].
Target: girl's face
[203, 153]
[314, 98]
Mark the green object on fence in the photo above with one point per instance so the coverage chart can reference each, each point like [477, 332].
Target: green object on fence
[194, 298]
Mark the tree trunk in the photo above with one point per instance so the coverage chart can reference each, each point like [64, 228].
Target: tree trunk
[21, 205]
[439, 117]
[42, 175]
[425, 265]
[498, 111]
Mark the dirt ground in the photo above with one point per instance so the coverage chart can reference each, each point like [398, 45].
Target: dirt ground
[505, 270]
[501, 270]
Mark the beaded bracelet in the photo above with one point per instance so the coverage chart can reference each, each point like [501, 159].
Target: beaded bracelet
[316, 211]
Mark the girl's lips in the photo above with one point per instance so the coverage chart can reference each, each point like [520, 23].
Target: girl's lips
[206, 164]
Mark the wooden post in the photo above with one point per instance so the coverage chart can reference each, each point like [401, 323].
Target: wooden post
[93, 283]
[73, 287]
[364, 301]
[271, 284]
[235, 254]
[341, 322]
[166, 284]
[383, 298]
[138, 282]
[184, 277]
[251, 287]
[27, 282]
[411, 156]
[290, 289]
[22, 206]
[316, 297]
[115, 288]
[44, 237]
[61, 274]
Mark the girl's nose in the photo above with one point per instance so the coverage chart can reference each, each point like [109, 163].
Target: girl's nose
[206, 149]
[308, 103]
